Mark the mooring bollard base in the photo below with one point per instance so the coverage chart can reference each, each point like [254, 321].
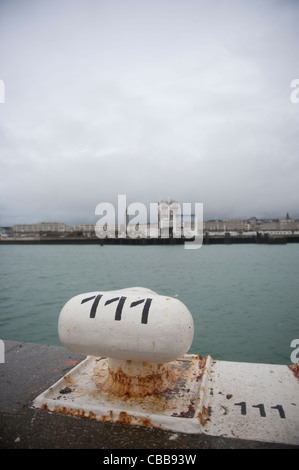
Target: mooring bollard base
[160, 399]
[193, 395]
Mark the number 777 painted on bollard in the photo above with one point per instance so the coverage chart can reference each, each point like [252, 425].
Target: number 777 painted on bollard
[119, 307]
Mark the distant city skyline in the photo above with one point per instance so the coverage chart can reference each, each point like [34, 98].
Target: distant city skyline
[76, 226]
[205, 219]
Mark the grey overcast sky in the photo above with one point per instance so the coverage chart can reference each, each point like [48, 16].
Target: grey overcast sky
[154, 99]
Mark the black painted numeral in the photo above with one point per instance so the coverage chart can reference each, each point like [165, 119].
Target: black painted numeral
[261, 407]
[145, 310]
[243, 407]
[95, 304]
[119, 307]
[280, 410]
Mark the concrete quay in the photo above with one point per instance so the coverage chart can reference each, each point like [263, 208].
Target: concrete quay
[208, 239]
[31, 368]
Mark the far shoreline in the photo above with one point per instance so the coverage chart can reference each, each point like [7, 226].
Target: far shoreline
[223, 239]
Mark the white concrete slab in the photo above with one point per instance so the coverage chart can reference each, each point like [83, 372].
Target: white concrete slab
[253, 401]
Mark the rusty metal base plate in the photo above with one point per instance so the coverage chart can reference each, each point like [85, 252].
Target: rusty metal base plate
[179, 407]
[193, 395]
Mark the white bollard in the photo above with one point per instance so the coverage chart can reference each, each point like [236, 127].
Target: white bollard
[133, 324]
[138, 373]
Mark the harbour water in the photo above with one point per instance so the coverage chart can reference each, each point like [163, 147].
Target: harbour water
[244, 299]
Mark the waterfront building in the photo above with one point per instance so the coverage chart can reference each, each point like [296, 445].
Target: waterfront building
[288, 224]
[171, 223]
[5, 232]
[269, 224]
[86, 229]
[41, 227]
[235, 225]
[213, 226]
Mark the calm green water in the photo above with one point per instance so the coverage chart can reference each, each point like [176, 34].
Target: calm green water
[244, 299]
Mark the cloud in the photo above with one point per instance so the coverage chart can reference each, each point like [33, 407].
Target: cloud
[188, 100]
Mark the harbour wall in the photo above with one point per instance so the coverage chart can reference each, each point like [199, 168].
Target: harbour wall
[258, 238]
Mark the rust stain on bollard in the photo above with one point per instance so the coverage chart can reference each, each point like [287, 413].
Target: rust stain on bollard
[295, 369]
[119, 383]
[113, 391]
[204, 416]
[159, 388]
